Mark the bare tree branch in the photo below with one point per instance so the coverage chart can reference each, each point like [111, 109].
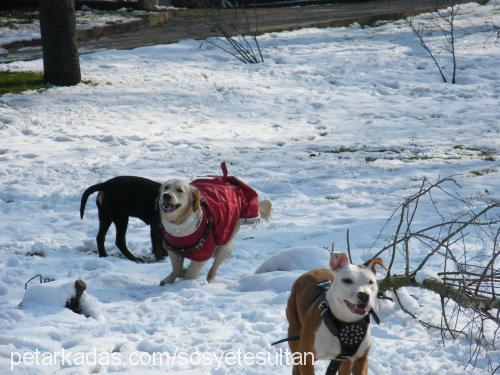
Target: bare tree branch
[465, 251]
[236, 34]
[445, 21]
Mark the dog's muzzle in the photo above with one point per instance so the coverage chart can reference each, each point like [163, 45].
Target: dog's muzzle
[361, 308]
[166, 206]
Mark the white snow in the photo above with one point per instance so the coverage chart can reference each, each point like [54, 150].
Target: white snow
[335, 127]
[298, 258]
[425, 274]
[54, 296]
[50, 294]
[276, 281]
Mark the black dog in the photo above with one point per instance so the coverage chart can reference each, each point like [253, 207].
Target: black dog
[118, 199]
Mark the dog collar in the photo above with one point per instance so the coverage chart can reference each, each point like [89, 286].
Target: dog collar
[193, 242]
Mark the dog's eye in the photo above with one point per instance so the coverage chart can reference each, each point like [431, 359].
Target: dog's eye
[166, 187]
[371, 282]
[347, 281]
[179, 190]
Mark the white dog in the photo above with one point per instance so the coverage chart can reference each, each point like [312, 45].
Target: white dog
[334, 323]
[200, 220]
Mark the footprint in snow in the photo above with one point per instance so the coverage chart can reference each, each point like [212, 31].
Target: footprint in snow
[135, 138]
[94, 264]
[105, 138]
[28, 132]
[29, 156]
[62, 138]
[317, 105]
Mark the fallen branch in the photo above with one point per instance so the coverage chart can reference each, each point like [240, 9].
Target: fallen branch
[465, 253]
[447, 291]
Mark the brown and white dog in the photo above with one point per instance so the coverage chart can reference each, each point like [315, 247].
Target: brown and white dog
[350, 297]
[183, 210]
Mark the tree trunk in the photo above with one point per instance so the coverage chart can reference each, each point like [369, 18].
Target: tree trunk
[61, 64]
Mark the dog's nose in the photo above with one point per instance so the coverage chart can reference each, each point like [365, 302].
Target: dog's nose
[363, 297]
[167, 197]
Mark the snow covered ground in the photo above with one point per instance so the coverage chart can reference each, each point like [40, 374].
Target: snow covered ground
[335, 127]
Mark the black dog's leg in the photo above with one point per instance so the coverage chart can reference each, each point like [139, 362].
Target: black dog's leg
[121, 230]
[104, 224]
[156, 242]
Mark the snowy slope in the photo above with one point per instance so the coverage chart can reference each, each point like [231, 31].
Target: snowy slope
[335, 127]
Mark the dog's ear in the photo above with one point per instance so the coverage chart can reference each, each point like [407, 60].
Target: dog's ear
[372, 263]
[338, 261]
[196, 198]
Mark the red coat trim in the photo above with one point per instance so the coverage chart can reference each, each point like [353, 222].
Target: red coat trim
[227, 199]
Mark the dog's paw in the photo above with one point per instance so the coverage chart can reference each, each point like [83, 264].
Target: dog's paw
[183, 272]
[210, 278]
[168, 280]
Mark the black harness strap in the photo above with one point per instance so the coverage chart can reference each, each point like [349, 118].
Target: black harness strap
[333, 367]
[320, 291]
[291, 338]
[374, 315]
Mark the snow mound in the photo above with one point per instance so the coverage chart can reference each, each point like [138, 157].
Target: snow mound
[49, 294]
[277, 281]
[56, 294]
[90, 306]
[279, 272]
[303, 258]
[423, 275]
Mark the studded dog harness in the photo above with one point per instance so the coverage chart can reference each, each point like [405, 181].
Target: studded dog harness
[350, 335]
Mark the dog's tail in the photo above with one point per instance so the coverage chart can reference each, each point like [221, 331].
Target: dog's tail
[265, 207]
[86, 194]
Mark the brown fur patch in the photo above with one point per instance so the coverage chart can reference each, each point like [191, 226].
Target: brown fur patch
[100, 198]
[372, 263]
[196, 199]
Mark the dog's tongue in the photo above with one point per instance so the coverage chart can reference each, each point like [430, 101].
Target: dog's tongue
[167, 207]
[360, 308]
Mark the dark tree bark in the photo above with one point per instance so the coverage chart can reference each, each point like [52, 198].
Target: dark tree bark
[61, 63]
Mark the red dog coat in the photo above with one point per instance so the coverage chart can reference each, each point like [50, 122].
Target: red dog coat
[224, 201]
